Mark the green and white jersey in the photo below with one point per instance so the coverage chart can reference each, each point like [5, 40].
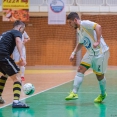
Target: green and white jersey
[87, 36]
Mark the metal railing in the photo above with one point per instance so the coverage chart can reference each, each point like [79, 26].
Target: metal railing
[37, 2]
[68, 2]
[75, 2]
[90, 2]
[111, 2]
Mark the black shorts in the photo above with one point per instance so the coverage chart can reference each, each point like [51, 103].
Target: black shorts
[8, 66]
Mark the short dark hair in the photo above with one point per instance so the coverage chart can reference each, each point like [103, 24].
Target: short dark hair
[18, 22]
[72, 16]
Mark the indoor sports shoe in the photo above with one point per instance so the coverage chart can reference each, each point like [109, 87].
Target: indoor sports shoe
[19, 105]
[1, 100]
[100, 98]
[22, 78]
[72, 96]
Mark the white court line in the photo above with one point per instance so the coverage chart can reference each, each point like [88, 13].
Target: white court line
[82, 92]
[44, 91]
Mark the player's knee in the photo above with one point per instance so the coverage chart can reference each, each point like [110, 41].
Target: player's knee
[16, 77]
[81, 69]
[100, 77]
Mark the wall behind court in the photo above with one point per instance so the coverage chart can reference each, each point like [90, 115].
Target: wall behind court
[53, 44]
[49, 44]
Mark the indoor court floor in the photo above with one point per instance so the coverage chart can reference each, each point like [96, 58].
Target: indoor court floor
[53, 85]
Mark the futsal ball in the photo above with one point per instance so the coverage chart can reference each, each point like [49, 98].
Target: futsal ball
[28, 89]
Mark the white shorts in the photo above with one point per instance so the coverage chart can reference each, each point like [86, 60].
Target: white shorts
[16, 55]
[99, 63]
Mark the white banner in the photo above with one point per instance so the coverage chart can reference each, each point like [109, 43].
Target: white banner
[56, 12]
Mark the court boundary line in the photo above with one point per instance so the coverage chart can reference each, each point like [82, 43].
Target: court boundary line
[43, 91]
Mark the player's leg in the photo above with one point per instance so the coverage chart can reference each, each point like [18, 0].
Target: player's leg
[101, 64]
[77, 82]
[12, 70]
[102, 83]
[84, 66]
[16, 56]
[22, 68]
[17, 91]
[3, 79]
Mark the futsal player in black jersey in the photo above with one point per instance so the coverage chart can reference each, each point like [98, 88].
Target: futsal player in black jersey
[8, 41]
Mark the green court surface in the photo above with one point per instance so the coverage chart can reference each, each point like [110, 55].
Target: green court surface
[51, 103]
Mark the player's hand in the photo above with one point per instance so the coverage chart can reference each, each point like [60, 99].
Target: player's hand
[22, 62]
[24, 41]
[72, 56]
[96, 44]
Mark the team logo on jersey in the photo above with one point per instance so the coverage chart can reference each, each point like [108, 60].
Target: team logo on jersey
[87, 43]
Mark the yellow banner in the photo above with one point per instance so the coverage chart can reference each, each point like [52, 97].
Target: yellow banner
[15, 10]
[16, 4]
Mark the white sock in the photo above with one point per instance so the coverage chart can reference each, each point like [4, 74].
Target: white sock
[16, 101]
[102, 84]
[22, 69]
[77, 81]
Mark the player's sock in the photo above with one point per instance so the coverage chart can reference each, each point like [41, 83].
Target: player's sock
[77, 81]
[16, 101]
[2, 83]
[102, 84]
[16, 90]
[22, 69]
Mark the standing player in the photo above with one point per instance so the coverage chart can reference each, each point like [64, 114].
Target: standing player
[8, 41]
[90, 36]
[16, 55]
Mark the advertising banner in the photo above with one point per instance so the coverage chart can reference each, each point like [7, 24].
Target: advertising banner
[56, 12]
[15, 10]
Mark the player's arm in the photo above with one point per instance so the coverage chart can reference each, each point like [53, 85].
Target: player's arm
[98, 30]
[26, 38]
[19, 47]
[94, 26]
[77, 48]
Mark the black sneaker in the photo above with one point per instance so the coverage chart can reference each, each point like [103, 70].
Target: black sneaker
[19, 105]
[1, 100]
